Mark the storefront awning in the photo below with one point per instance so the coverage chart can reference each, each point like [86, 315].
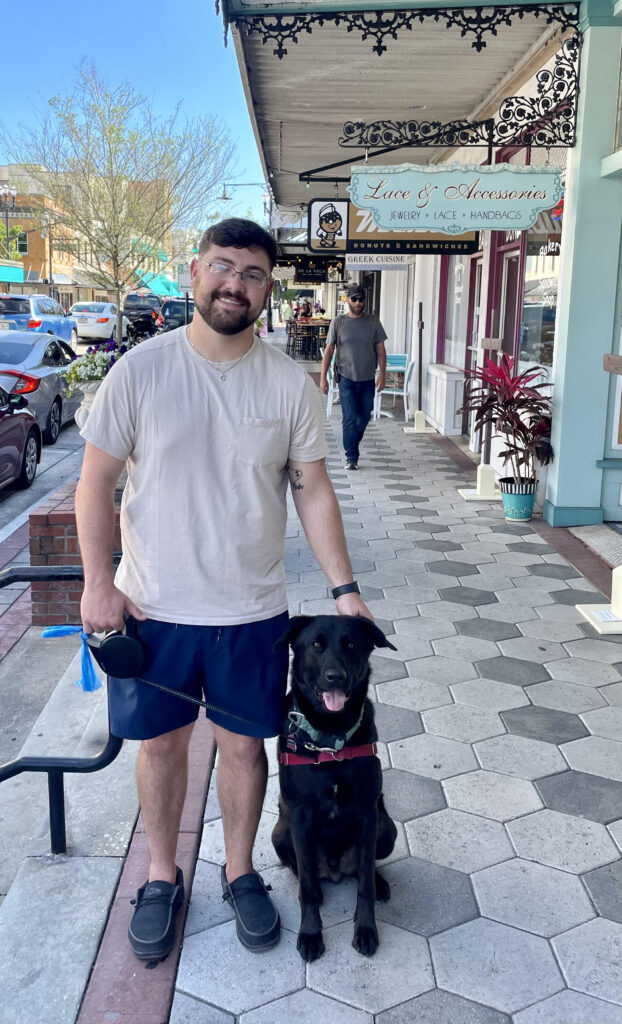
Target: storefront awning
[158, 283]
[11, 274]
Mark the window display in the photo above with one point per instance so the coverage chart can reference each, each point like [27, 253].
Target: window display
[537, 330]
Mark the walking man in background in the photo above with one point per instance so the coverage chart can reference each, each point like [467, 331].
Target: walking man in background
[359, 340]
[212, 423]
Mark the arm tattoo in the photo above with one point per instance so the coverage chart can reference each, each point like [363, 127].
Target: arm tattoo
[295, 478]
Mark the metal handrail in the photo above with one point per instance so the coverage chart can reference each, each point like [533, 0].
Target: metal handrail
[55, 767]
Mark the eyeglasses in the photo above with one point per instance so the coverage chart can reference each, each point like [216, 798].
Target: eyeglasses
[254, 278]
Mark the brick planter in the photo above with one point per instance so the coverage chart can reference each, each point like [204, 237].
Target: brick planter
[54, 541]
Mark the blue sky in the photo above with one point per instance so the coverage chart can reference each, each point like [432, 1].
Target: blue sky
[170, 52]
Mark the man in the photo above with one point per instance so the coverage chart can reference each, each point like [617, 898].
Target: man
[359, 340]
[211, 422]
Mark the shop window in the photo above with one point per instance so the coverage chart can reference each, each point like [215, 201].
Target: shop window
[618, 144]
[539, 310]
[456, 312]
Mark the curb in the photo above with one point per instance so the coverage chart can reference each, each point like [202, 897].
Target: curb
[122, 989]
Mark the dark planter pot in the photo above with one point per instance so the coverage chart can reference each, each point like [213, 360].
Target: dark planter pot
[517, 497]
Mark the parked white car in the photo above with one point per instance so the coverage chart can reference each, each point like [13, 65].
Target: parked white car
[97, 321]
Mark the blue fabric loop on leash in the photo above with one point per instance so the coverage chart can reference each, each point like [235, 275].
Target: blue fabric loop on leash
[89, 680]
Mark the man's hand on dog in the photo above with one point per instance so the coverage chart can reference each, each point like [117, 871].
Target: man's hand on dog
[353, 604]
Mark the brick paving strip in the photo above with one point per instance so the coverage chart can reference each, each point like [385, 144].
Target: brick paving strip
[121, 988]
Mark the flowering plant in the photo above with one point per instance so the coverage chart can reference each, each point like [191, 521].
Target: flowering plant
[94, 364]
[517, 410]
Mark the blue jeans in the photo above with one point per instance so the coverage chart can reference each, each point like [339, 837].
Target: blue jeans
[357, 402]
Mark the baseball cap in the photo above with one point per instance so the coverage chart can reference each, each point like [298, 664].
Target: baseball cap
[356, 289]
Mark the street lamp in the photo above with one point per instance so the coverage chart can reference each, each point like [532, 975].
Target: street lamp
[224, 198]
[47, 224]
[267, 209]
[7, 202]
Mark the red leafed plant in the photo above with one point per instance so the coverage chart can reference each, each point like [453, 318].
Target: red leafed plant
[517, 411]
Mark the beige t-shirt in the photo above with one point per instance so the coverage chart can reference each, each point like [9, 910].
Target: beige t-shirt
[204, 509]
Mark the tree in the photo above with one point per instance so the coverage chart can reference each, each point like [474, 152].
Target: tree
[14, 234]
[118, 177]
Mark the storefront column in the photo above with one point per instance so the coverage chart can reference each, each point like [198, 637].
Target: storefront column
[588, 283]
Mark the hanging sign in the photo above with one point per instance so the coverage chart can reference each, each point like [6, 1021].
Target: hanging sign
[381, 261]
[454, 199]
[328, 225]
[353, 230]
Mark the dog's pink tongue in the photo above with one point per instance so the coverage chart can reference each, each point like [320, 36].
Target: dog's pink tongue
[334, 699]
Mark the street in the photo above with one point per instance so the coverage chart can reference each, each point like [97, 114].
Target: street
[59, 463]
[28, 678]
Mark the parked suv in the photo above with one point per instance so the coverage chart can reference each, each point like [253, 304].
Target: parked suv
[142, 310]
[36, 313]
[173, 314]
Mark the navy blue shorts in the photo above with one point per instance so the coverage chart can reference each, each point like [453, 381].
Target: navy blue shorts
[233, 668]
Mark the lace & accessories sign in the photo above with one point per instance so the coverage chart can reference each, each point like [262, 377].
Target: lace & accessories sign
[454, 200]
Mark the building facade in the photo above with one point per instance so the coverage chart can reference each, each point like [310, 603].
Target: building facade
[526, 85]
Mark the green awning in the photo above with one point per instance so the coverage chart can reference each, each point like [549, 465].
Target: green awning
[159, 284]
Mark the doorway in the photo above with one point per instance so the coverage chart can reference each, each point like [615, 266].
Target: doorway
[473, 329]
[510, 289]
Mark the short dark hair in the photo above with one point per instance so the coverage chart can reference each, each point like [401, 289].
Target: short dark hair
[241, 234]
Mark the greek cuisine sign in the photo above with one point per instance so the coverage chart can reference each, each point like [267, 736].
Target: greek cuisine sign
[455, 199]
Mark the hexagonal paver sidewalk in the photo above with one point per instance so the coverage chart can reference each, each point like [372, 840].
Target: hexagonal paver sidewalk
[501, 739]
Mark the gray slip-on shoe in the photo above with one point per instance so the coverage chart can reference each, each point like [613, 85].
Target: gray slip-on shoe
[152, 928]
[257, 920]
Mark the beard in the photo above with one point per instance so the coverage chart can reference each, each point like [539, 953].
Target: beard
[223, 320]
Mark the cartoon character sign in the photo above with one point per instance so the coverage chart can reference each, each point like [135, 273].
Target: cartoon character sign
[330, 225]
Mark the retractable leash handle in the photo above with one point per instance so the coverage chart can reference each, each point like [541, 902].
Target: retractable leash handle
[123, 657]
[116, 653]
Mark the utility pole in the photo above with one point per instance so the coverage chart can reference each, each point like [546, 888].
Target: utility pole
[267, 209]
[50, 271]
[7, 202]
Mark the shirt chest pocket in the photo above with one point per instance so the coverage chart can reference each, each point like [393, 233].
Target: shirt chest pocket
[262, 442]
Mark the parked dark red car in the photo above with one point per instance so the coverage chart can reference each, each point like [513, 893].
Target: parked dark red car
[20, 441]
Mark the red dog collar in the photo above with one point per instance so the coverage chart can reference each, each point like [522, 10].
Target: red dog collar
[346, 754]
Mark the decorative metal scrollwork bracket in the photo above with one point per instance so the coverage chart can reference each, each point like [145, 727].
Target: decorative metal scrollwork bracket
[382, 25]
[545, 120]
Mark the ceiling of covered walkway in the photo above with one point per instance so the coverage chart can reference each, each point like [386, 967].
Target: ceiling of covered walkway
[330, 76]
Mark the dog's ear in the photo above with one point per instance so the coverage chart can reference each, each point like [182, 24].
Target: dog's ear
[295, 625]
[375, 633]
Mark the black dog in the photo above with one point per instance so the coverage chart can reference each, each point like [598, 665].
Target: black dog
[332, 819]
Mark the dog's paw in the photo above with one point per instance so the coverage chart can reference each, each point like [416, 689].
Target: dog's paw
[365, 940]
[383, 889]
[310, 947]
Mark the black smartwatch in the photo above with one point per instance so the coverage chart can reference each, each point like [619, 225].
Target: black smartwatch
[346, 588]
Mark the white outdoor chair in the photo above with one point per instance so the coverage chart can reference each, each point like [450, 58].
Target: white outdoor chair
[396, 388]
[333, 389]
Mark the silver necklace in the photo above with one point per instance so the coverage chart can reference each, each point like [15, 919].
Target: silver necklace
[221, 368]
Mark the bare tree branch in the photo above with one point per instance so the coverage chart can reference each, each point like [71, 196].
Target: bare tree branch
[119, 177]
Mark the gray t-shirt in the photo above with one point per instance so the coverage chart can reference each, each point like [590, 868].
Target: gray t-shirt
[356, 339]
[204, 511]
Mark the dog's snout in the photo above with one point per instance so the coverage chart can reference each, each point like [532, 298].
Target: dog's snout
[334, 676]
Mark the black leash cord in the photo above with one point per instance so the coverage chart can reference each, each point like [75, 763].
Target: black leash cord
[195, 700]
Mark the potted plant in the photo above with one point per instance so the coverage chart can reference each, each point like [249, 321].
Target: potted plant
[86, 373]
[519, 412]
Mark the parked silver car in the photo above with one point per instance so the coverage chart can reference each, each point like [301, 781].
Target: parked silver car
[35, 366]
[97, 321]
